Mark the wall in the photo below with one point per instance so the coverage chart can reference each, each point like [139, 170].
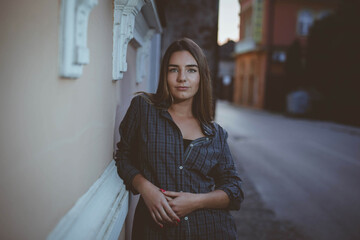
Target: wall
[285, 17]
[250, 67]
[56, 134]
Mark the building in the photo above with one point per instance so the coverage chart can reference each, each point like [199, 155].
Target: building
[68, 71]
[267, 29]
[225, 77]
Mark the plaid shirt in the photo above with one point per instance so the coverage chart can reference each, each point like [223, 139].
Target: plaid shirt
[152, 144]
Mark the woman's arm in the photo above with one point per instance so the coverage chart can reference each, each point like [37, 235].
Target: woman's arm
[127, 167]
[125, 158]
[226, 177]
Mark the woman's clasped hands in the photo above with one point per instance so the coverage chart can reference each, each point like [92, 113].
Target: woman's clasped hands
[182, 203]
[158, 206]
[166, 207]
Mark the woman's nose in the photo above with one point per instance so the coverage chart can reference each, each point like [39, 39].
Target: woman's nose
[181, 76]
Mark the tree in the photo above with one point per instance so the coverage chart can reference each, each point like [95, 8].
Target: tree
[332, 62]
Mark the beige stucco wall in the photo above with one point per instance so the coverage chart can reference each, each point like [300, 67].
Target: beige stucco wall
[56, 134]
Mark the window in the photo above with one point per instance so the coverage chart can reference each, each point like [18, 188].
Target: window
[248, 29]
[305, 21]
[279, 56]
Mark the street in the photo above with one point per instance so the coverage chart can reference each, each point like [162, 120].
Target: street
[304, 174]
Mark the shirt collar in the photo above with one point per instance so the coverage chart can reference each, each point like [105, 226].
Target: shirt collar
[208, 129]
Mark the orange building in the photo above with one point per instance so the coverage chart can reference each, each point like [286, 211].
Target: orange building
[267, 29]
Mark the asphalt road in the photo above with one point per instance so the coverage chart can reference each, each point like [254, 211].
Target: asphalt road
[307, 173]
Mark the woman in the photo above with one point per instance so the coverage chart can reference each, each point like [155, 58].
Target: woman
[176, 157]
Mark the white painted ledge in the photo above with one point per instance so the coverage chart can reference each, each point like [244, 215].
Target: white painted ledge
[99, 214]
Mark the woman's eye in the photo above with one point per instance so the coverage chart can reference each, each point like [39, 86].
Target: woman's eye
[192, 70]
[173, 70]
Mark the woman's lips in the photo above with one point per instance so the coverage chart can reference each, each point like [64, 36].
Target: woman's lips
[182, 88]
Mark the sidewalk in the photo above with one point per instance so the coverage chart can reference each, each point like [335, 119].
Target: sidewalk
[255, 221]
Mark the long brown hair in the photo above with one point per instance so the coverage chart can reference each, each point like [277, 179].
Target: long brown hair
[202, 107]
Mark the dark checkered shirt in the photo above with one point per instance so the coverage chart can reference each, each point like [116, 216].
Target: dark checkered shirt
[152, 144]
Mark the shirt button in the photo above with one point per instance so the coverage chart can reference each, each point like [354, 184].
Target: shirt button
[191, 145]
[181, 167]
[186, 218]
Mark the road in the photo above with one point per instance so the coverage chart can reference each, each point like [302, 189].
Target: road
[307, 172]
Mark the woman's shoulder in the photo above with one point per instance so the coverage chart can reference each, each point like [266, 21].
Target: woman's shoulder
[219, 130]
[141, 100]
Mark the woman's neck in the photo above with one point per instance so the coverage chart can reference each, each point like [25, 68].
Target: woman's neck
[182, 109]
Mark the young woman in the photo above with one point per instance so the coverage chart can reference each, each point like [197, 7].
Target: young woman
[176, 157]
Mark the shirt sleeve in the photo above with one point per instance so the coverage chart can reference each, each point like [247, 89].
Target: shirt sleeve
[227, 178]
[125, 156]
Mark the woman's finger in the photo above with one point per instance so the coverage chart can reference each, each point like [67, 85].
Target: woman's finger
[159, 217]
[165, 216]
[156, 220]
[171, 213]
[168, 198]
[171, 194]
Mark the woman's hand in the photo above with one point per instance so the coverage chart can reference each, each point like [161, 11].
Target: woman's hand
[183, 203]
[155, 201]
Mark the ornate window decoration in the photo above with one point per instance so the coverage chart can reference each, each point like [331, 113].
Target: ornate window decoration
[73, 36]
[143, 36]
[135, 20]
[125, 12]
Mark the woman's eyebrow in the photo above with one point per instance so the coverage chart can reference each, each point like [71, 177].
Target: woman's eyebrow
[192, 65]
[189, 65]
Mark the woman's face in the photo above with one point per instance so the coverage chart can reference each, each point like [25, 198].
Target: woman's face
[183, 76]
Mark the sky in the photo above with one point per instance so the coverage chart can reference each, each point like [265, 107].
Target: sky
[228, 20]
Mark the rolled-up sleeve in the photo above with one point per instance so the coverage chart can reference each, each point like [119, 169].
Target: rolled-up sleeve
[125, 154]
[227, 178]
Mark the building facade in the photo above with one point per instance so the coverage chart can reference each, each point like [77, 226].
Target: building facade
[68, 72]
[267, 29]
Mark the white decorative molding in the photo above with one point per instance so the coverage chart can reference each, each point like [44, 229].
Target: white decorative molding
[141, 28]
[73, 36]
[142, 57]
[99, 214]
[124, 21]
